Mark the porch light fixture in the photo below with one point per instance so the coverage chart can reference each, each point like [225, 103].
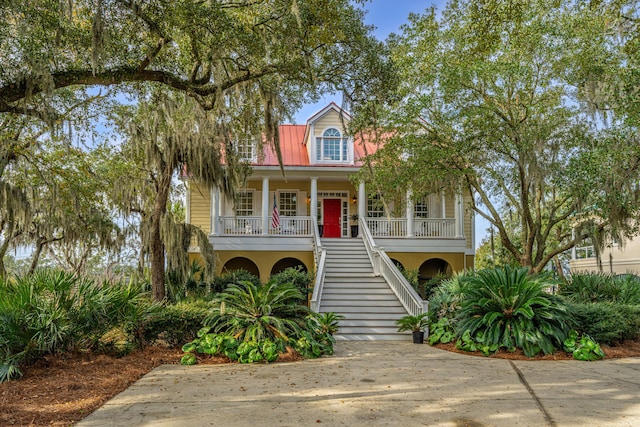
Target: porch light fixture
[308, 199]
[354, 200]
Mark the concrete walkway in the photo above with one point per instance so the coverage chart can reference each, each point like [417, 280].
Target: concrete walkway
[383, 384]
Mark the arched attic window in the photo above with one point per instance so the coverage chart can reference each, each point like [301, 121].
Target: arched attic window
[332, 147]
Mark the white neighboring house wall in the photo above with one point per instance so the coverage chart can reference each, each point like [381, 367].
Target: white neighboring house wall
[614, 259]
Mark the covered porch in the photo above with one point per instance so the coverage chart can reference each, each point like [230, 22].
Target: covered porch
[337, 206]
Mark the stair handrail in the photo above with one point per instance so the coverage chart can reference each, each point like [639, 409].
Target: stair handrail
[383, 266]
[320, 257]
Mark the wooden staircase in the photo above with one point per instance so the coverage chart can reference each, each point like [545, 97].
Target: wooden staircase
[350, 288]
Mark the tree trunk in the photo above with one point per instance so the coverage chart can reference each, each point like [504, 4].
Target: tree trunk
[559, 268]
[5, 246]
[156, 245]
[36, 256]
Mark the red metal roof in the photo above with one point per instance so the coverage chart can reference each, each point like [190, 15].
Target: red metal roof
[294, 152]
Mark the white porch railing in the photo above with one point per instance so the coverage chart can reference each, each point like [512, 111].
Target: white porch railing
[434, 227]
[320, 255]
[382, 266]
[237, 225]
[252, 225]
[583, 252]
[422, 227]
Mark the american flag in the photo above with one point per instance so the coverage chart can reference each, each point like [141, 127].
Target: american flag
[275, 218]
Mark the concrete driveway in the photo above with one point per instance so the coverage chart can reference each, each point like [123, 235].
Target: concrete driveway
[383, 384]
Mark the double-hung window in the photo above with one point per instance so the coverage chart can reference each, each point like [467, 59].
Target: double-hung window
[244, 204]
[288, 203]
[246, 150]
[375, 207]
[421, 208]
[332, 147]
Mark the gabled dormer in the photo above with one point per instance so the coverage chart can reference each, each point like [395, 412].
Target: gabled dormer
[326, 139]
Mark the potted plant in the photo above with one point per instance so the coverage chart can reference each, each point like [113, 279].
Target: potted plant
[415, 324]
[354, 225]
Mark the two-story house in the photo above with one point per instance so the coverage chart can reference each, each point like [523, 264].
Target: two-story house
[305, 218]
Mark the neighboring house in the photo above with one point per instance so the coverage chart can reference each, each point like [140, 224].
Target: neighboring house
[316, 203]
[614, 258]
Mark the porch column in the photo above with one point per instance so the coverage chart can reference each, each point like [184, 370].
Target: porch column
[409, 208]
[443, 202]
[265, 206]
[313, 205]
[458, 214]
[214, 226]
[362, 201]
[573, 249]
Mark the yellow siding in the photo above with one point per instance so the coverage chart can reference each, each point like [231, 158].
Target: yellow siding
[200, 209]
[449, 202]
[467, 219]
[331, 119]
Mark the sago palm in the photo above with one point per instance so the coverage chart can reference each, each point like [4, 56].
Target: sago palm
[253, 312]
[511, 308]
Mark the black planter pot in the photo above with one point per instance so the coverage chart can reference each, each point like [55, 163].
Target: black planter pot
[354, 231]
[418, 337]
[320, 229]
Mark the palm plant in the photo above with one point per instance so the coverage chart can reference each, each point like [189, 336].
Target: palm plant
[53, 310]
[327, 323]
[510, 308]
[253, 312]
[587, 288]
[412, 323]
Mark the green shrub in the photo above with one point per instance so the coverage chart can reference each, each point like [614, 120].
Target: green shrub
[629, 285]
[297, 277]
[607, 323]
[180, 287]
[511, 309]
[447, 298]
[221, 283]
[177, 323]
[313, 339]
[597, 287]
[53, 311]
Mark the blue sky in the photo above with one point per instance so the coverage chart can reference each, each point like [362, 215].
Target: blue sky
[387, 16]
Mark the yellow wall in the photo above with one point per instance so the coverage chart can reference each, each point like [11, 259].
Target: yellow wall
[471, 259]
[413, 261]
[263, 259]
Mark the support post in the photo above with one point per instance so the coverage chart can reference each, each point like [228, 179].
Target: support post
[313, 208]
[409, 208]
[265, 206]
[362, 201]
[458, 214]
[215, 211]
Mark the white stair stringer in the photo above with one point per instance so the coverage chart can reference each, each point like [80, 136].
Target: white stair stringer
[369, 306]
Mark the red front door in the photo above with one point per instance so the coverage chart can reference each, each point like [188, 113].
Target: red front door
[331, 212]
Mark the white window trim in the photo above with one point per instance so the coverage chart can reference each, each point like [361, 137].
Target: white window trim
[318, 145]
[297, 193]
[252, 193]
[254, 149]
